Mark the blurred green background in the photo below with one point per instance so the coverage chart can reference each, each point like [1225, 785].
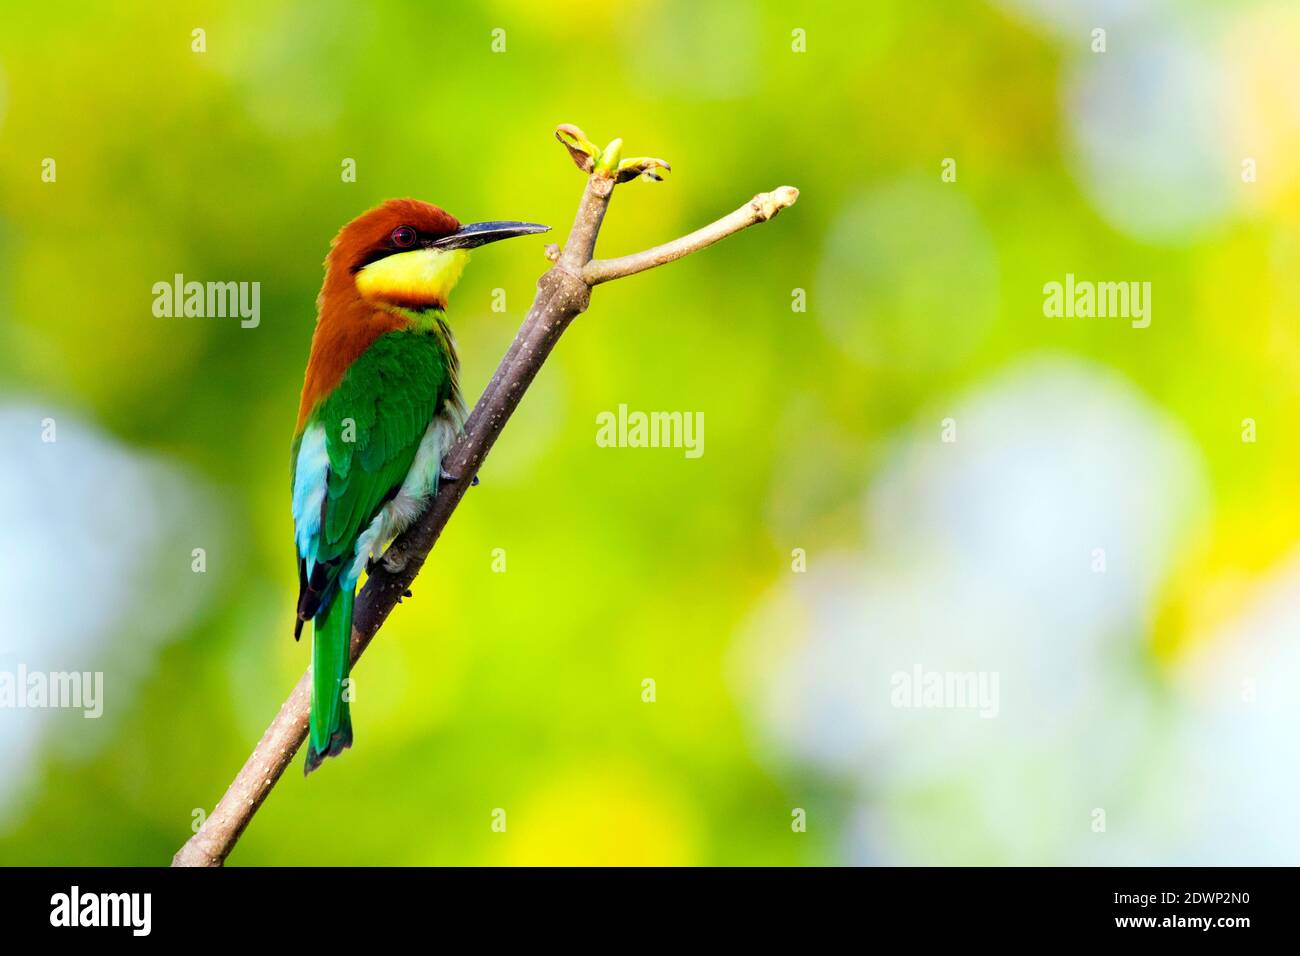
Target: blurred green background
[1158, 689]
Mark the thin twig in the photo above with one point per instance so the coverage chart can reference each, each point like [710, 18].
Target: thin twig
[759, 209]
[563, 293]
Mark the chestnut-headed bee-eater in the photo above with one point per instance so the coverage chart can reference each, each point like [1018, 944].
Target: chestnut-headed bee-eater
[381, 405]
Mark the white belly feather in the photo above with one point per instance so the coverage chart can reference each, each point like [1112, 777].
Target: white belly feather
[420, 484]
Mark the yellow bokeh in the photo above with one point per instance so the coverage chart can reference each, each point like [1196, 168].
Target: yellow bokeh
[604, 813]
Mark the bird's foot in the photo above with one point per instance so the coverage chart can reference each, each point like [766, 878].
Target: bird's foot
[394, 560]
[405, 594]
[445, 475]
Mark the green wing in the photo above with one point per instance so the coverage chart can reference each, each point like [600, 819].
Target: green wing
[373, 423]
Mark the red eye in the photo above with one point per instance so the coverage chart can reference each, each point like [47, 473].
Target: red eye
[403, 237]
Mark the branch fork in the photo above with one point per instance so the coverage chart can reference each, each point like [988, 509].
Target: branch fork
[563, 293]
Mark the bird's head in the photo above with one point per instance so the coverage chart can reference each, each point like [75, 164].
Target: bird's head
[409, 254]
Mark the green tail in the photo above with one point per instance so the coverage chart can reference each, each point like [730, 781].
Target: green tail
[331, 723]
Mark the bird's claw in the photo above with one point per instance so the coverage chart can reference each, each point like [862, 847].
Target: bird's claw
[445, 475]
[390, 561]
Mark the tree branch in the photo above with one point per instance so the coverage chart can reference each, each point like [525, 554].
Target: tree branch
[563, 293]
[759, 209]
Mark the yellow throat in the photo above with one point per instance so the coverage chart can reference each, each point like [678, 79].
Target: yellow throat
[421, 275]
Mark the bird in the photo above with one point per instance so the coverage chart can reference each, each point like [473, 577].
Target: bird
[380, 407]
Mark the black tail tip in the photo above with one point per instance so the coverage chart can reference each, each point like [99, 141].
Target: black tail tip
[340, 741]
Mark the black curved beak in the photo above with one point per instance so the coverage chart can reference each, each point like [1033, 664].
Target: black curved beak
[481, 233]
